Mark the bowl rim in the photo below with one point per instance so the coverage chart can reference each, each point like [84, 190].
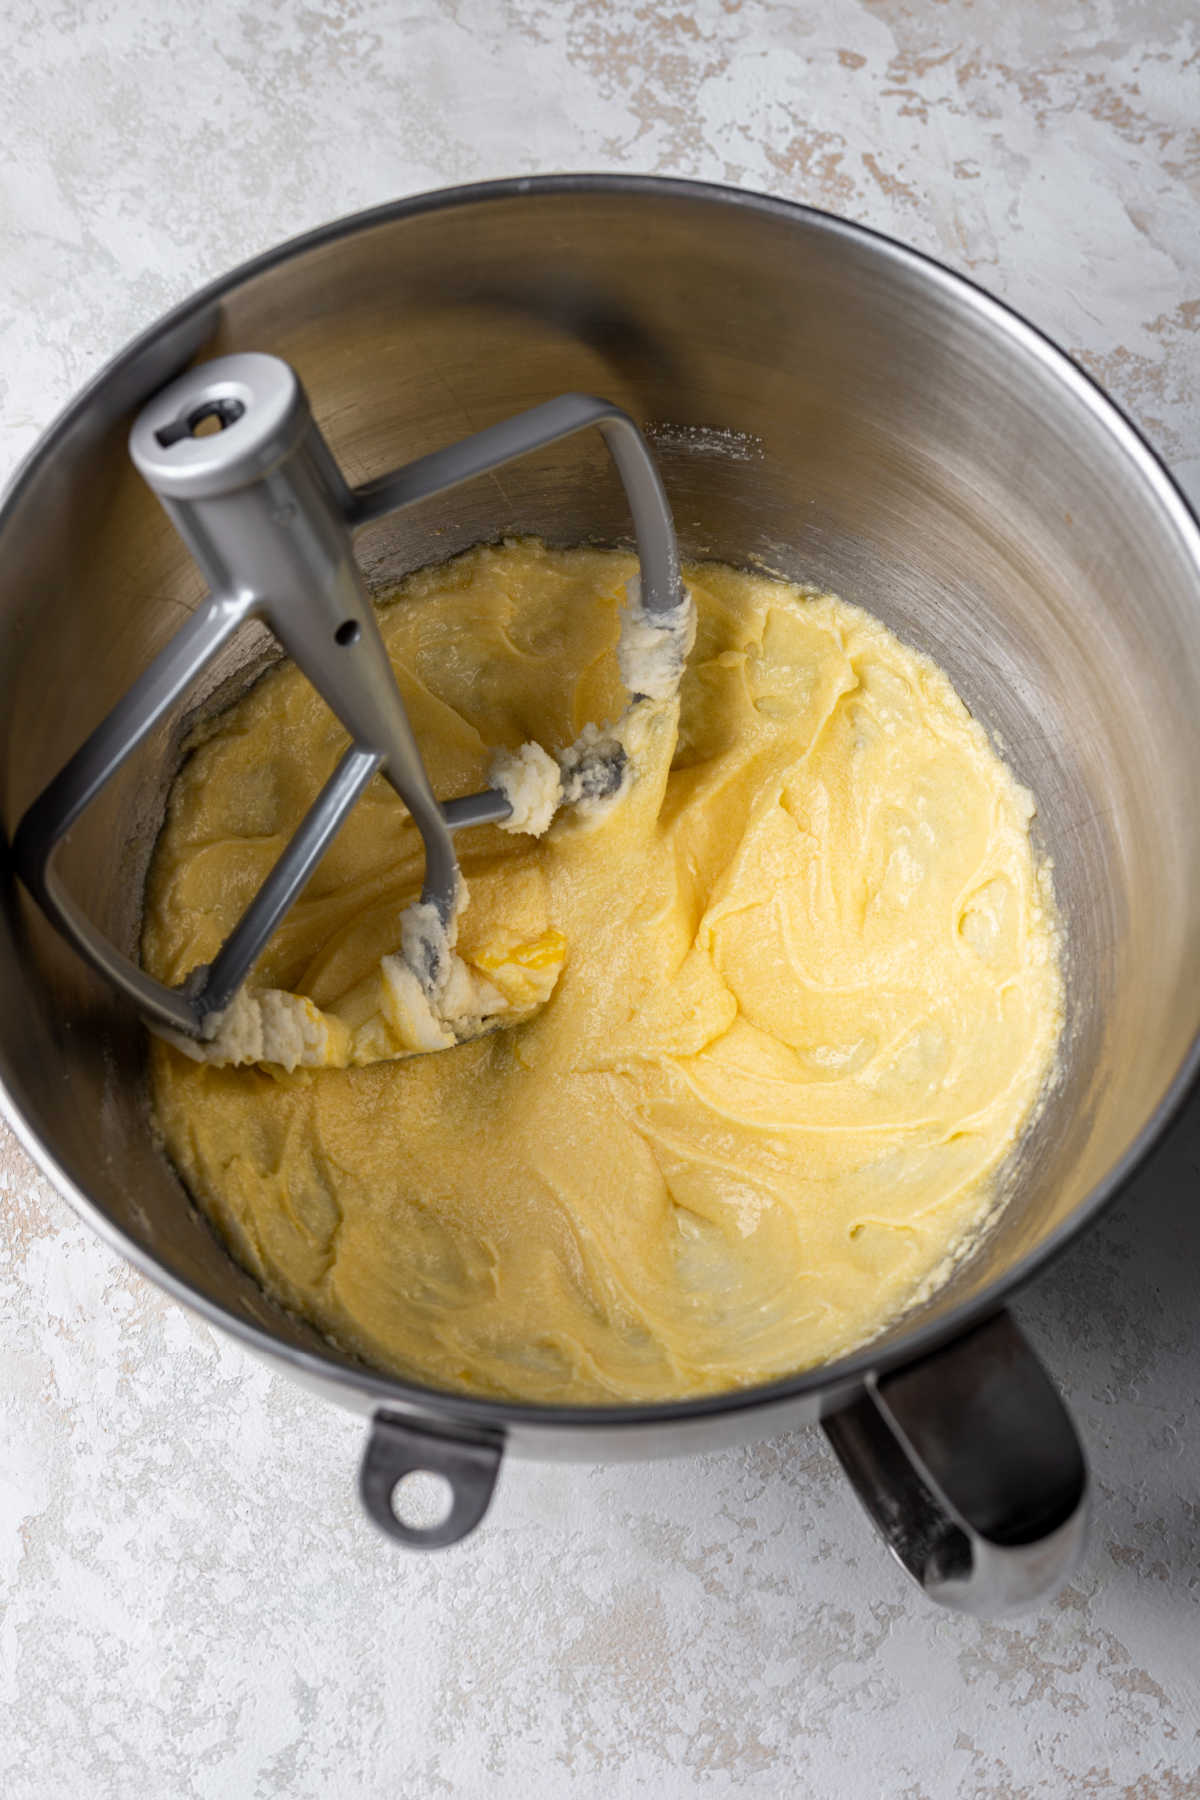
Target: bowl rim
[849, 1372]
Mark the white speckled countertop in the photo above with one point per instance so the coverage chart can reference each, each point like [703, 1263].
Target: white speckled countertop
[192, 1605]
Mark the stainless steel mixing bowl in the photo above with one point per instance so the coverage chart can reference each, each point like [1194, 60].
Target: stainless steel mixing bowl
[824, 403]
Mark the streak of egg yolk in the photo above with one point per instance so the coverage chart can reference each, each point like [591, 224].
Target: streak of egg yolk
[810, 998]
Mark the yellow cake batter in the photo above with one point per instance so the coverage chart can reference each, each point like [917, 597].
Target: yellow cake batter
[809, 996]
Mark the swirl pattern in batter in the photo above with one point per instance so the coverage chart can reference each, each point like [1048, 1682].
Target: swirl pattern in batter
[811, 995]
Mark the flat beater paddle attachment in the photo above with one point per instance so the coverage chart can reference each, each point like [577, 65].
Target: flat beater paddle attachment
[233, 453]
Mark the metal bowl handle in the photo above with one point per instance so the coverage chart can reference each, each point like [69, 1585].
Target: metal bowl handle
[398, 1447]
[969, 1465]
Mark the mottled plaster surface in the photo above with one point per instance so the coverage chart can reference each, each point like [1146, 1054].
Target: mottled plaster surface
[191, 1604]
